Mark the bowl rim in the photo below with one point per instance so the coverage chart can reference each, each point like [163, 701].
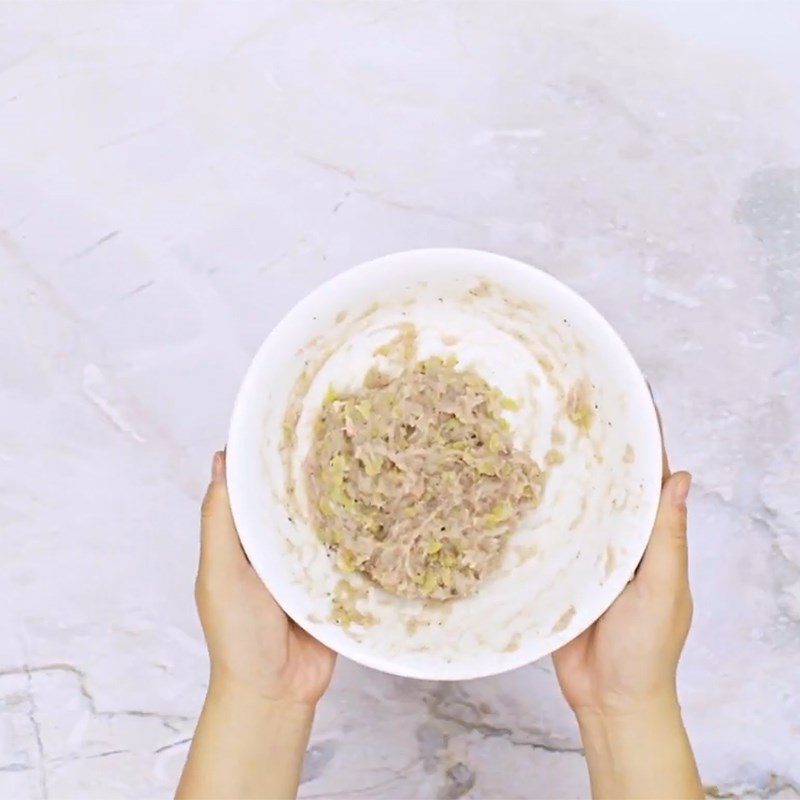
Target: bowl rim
[352, 650]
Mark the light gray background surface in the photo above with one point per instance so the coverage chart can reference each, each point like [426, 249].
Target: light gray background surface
[174, 175]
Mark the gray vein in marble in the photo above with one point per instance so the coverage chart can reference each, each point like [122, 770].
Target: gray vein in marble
[328, 166]
[367, 790]
[341, 202]
[419, 208]
[449, 704]
[104, 754]
[37, 731]
[171, 745]
[773, 786]
[379, 197]
[167, 720]
[91, 248]
[140, 288]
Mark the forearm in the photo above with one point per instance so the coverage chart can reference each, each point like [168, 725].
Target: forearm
[642, 753]
[245, 747]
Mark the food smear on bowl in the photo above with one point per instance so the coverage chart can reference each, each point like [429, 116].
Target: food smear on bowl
[414, 480]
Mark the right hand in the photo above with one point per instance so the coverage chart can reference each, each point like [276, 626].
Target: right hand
[267, 673]
[253, 646]
[628, 659]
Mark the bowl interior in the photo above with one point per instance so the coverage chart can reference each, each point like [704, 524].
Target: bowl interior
[541, 344]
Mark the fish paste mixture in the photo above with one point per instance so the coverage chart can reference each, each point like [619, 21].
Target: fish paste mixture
[414, 480]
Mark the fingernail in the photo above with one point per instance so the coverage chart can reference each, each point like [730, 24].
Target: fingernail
[680, 488]
[217, 468]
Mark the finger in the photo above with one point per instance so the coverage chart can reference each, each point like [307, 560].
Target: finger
[666, 560]
[665, 473]
[219, 542]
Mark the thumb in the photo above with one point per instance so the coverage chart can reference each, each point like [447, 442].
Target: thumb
[219, 542]
[666, 560]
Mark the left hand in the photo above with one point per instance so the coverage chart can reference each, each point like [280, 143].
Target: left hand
[254, 647]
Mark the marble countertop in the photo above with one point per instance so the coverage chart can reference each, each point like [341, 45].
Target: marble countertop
[174, 176]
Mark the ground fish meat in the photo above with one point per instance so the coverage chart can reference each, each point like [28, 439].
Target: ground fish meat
[415, 482]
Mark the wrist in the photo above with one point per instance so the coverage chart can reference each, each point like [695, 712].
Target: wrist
[621, 712]
[620, 726]
[247, 744]
[240, 698]
[619, 738]
[639, 750]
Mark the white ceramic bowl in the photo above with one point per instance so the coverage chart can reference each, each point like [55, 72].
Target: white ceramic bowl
[533, 338]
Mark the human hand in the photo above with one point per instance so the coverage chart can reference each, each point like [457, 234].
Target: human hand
[619, 676]
[267, 673]
[629, 657]
[253, 646]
